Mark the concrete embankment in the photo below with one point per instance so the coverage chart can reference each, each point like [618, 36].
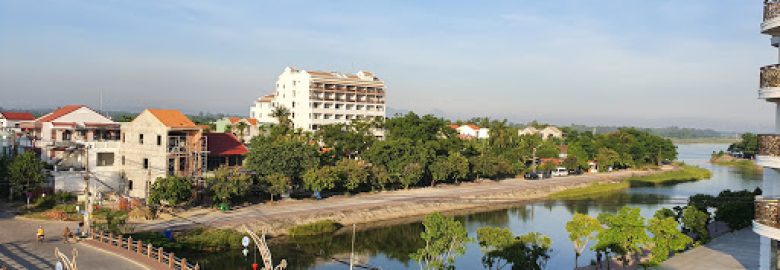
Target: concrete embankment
[377, 208]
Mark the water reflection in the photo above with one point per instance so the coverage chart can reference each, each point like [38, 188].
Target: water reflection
[389, 247]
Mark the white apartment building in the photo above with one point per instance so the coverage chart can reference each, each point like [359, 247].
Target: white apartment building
[10, 130]
[317, 98]
[767, 215]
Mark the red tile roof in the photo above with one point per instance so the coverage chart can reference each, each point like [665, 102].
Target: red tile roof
[252, 121]
[454, 126]
[473, 126]
[18, 116]
[224, 144]
[234, 120]
[172, 118]
[59, 113]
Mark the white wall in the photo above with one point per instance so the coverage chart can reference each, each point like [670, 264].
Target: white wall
[134, 152]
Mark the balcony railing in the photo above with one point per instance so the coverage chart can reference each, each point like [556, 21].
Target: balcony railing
[769, 145]
[768, 211]
[771, 9]
[770, 76]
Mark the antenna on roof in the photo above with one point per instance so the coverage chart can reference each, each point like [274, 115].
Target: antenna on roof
[101, 101]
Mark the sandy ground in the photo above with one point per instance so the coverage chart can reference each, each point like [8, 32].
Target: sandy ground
[276, 218]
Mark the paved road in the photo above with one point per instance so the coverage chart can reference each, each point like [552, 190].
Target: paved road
[738, 250]
[18, 250]
[467, 193]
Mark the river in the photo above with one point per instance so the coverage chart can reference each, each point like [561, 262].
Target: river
[389, 247]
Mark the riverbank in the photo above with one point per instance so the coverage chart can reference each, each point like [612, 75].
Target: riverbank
[277, 218]
[681, 173]
[743, 164]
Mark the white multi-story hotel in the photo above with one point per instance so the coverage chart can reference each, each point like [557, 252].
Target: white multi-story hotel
[767, 219]
[317, 98]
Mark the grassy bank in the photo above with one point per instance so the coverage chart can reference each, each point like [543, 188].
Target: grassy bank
[685, 173]
[742, 164]
[593, 189]
[314, 228]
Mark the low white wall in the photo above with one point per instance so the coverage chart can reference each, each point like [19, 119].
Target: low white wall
[74, 181]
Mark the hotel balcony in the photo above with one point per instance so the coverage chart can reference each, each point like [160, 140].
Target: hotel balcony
[768, 150]
[771, 24]
[769, 82]
[767, 220]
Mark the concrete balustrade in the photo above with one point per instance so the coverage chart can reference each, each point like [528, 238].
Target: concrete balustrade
[156, 255]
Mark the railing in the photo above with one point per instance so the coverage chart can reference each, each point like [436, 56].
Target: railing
[767, 211]
[769, 145]
[770, 76]
[154, 254]
[771, 9]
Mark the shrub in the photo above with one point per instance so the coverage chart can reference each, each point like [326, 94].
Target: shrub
[314, 228]
[211, 239]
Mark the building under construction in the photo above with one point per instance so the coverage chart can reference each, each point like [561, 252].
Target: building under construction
[159, 143]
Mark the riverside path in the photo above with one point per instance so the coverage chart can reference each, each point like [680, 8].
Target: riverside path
[417, 202]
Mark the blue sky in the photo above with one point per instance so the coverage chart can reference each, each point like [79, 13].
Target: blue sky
[614, 62]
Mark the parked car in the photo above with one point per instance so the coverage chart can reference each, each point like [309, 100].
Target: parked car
[577, 171]
[560, 171]
[531, 176]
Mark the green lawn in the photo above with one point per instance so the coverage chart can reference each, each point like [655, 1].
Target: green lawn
[686, 173]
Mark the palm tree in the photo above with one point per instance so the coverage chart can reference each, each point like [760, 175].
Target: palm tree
[241, 126]
[282, 115]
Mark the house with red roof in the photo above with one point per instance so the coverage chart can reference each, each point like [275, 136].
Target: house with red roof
[159, 143]
[224, 149]
[244, 128]
[10, 130]
[471, 131]
[74, 139]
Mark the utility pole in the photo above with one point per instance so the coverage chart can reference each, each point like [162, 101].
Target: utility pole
[352, 253]
[88, 204]
[533, 160]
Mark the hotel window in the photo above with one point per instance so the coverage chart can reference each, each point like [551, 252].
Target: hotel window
[140, 138]
[123, 137]
[123, 160]
[293, 104]
[129, 184]
[146, 163]
[159, 140]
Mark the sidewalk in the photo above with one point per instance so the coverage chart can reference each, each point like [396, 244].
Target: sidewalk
[738, 250]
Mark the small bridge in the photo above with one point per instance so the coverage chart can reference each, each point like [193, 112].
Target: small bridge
[137, 251]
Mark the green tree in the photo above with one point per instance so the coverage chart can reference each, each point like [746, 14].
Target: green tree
[626, 230]
[666, 239]
[445, 239]
[411, 174]
[696, 222]
[322, 178]
[379, 177]
[353, 173]
[501, 248]
[665, 213]
[606, 157]
[289, 157]
[170, 191]
[453, 167]
[748, 145]
[228, 183]
[277, 184]
[348, 140]
[582, 229]
[25, 173]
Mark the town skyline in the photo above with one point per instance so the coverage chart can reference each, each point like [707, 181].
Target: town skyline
[562, 63]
